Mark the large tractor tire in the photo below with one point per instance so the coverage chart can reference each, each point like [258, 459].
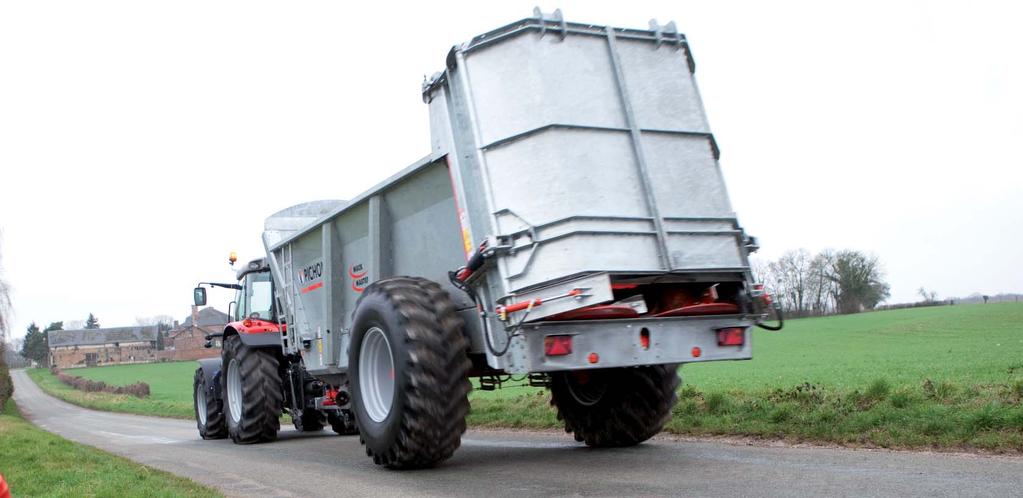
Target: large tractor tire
[253, 393]
[408, 366]
[616, 406]
[209, 411]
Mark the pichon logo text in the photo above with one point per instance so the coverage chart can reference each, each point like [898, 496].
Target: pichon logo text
[311, 272]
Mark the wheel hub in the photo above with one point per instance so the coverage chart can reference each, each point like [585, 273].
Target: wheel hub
[200, 403]
[376, 374]
[234, 391]
[586, 389]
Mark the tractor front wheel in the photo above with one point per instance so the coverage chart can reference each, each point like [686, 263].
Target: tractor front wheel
[209, 411]
[252, 391]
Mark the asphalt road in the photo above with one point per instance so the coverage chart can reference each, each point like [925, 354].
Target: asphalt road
[493, 463]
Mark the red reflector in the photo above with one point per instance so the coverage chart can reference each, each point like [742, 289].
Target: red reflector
[732, 336]
[593, 357]
[557, 345]
[696, 351]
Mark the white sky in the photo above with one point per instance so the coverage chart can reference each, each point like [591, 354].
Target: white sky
[140, 142]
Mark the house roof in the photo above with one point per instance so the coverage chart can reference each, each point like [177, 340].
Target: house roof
[208, 316]
[90, 337]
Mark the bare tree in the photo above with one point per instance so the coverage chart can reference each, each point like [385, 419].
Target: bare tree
[5, 307]
[6, 387]
[792, 272]
[929, 296]
[154, 320]
[761, 269]
[821, 285]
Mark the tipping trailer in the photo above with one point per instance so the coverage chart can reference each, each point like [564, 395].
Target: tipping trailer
[570, 225]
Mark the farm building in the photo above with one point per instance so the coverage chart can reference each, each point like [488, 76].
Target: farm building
[109, 346]
[186, 341]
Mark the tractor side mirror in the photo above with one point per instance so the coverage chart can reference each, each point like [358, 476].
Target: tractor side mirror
[199, 295]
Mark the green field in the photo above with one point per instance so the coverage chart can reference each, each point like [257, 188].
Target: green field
[170, 388]
[37, 463]
[978, 344]
[939, 377]
[971, 344]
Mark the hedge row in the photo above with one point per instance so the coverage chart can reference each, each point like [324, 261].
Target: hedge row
[6, 386]
[138, 389]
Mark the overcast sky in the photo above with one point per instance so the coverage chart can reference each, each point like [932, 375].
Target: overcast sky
[141, 142]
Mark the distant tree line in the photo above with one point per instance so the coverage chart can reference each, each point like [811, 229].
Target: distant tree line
[930, 298]
[826, 283]
[36, 344]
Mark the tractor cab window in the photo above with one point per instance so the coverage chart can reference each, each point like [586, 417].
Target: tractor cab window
[239, 304]
[259, 298]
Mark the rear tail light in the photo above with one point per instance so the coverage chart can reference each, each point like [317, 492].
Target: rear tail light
[557, 345]
[732, 336]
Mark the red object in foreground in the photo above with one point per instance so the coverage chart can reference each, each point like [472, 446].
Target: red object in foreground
[557, 345]
[732, 336]
[5, 492]
[702, 309]
[597, 312]
[330, 399]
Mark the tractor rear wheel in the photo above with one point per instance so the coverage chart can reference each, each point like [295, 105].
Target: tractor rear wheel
[408, 366]
[209, 411]
[615, 406]
[252, 391]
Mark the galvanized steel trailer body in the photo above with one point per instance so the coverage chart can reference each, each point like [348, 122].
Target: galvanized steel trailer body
[577, 156]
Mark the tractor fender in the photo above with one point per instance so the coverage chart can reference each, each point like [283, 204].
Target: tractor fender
[261, 340]
[211, 368]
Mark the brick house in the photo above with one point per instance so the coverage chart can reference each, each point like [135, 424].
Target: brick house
[186, 341]
[109, 346]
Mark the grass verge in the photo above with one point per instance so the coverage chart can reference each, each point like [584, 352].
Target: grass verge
[929, 416]
[158, 405]
[37, 463]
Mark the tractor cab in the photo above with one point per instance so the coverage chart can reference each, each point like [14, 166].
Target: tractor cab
[254, 298]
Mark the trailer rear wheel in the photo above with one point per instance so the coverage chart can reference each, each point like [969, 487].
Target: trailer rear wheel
[617, 406]
[342, 423]
[309, 421]
[252, 391]
[209, 411]
[408, 367]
